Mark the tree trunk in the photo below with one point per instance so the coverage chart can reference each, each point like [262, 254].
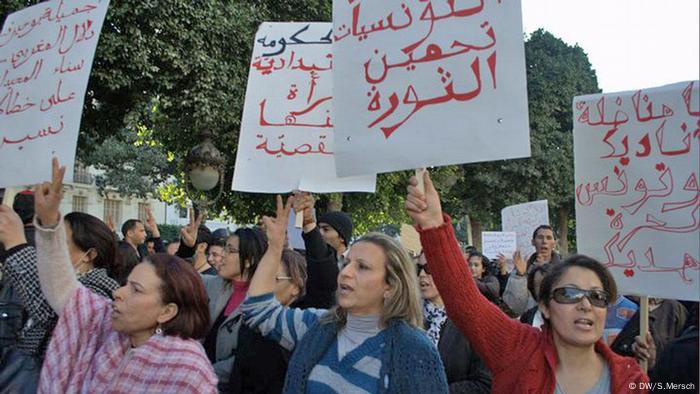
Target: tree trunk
[335, 202]
[563, 213]
[476, 234]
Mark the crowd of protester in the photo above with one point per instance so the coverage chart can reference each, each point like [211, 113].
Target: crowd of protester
[241, 312]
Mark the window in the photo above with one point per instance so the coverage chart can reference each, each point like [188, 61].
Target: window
[183, 212]
[142, 211]
[80, 204]
[113, 208]
[81, 174]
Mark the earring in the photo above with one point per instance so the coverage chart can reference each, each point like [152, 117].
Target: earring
[159, 330]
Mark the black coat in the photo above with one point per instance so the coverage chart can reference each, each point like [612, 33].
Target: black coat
[322, 273]
[679, 361]
[466, 372]
[261, 364]
[666, 322]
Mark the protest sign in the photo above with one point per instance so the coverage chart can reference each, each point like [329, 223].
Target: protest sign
[286, 141]
[523, 219]
[637, 157]
[46, 54]
[424, 84]
[494, 243]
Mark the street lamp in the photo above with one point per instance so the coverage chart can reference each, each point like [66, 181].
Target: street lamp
[204, 166]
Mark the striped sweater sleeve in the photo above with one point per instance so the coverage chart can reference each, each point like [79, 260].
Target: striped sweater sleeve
[286, 326]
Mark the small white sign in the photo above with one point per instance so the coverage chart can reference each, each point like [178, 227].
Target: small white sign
[494, 243]
[523, 219]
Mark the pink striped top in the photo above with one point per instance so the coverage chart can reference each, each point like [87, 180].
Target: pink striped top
[86, 356]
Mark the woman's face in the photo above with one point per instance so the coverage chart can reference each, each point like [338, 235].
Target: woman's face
[230, 267]
[579, 324]
[476, 266]
[285, 289]
[137, 306]
[215, 256]
[362, 281]
[428, 290]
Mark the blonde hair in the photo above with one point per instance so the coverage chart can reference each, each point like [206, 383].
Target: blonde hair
[403, 301]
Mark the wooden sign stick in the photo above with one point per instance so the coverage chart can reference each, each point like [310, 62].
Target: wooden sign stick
[420, 173]
[643, 325]
[299, 219]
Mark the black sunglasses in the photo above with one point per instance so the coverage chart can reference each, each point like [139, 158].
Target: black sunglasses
[422, 267]
[574, 295]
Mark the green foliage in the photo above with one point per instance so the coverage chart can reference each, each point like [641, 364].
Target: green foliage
[132, 161]
[169, 232]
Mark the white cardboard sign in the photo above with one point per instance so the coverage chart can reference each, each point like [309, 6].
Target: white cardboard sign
[425, 83]
[494, 243]
[46, 54]
[287, 139]
[637, 158]
[523, 219]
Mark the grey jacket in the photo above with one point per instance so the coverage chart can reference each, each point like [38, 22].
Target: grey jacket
[219, 291]
[516, 294]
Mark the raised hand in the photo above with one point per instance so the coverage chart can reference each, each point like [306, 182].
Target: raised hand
[501, 264]
[188, 233]
[11, 228]
[151, 224]
[110, 223]
[424, 207]
[276, 227]
[645, 350]
[304, 203]
[519, 263]
[47, 196]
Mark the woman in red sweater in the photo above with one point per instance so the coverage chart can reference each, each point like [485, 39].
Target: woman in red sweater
[568, 356]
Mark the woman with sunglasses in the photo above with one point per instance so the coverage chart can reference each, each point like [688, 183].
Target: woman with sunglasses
[567, 356]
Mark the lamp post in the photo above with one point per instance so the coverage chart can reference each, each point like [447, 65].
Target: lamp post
[204, 166]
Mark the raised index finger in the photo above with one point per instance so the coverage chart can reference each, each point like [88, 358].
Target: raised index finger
[279, 211]
[57, 173]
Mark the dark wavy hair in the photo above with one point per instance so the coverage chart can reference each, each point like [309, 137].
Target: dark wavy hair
[581, 261]
[182, 286]
[90, 232]
[252, 247]
[485, 262]
[543, 270]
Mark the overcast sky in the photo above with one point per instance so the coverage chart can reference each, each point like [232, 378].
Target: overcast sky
[631, 44]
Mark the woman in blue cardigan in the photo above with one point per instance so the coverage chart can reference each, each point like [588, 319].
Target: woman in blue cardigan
[370, 342]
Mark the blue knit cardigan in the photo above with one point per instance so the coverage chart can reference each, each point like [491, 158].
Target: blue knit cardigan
[410, 362]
